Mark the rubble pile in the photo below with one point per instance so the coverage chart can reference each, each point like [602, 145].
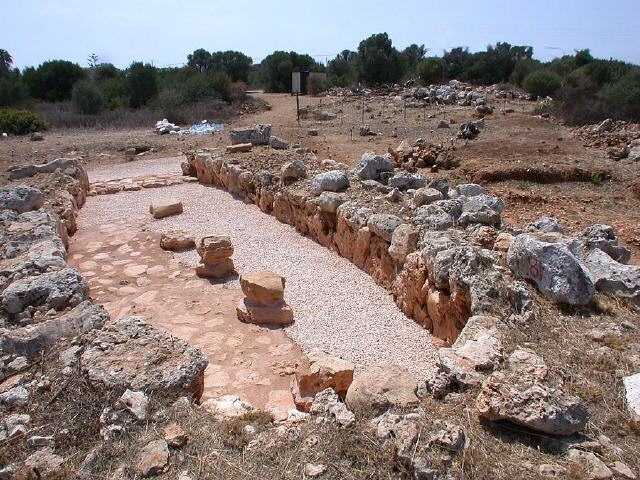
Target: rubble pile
[620, 139]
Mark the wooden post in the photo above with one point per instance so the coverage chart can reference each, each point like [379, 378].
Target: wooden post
[363, 110]
[298, 106]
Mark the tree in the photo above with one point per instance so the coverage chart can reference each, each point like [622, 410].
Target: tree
[276, 69]
[379, 61]
[86, 98]
[235, 64]
[106, 71]
[92, 60]
[413, 55]
[342, 71]
[457, 60]
[53, 80]
[143, 84]
[199, 59]
[432, 70]
[542, 83]
[523, 68]
[6, 61]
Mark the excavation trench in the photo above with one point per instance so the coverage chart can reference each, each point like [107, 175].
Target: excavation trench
[337, 306]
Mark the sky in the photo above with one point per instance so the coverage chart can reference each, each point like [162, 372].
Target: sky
[163, 32]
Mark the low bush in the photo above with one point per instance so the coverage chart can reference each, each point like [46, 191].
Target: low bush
[316, 86]
[20, 122]
[542, 83]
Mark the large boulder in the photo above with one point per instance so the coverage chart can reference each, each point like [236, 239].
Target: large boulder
[333, 181]
[371, 166]
[517, 394]
[612, 277]
[257, 135]
[20, 198]
[547, 260]
[58, 290]
[381, 387]
[133, 354]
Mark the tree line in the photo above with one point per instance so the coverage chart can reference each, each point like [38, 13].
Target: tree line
[586, 89]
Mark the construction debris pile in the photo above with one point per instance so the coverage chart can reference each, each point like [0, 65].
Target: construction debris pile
[204, 127]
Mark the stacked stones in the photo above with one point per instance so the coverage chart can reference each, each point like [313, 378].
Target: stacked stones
[215, 253]
[264, 302]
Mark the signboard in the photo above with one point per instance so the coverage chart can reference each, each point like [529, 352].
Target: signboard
[296, 84]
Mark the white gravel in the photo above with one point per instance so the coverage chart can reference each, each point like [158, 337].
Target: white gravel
[337, 307]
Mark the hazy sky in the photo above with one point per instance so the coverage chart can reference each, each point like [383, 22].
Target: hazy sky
[164, 32]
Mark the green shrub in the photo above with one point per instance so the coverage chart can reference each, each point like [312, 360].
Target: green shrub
[20, 122]
[143, 84]
[542, 83]
[316, 86]
[53, 81]
[432, 70]
[87, 98]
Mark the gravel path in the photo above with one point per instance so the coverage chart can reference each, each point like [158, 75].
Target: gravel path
[136, 168]
[337, 306]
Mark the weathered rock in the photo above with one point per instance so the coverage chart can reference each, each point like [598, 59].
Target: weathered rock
[371, 166]
[263, 287]
[15, 397]
[483, 209]
[548, 262]
[330, 201]
[518, 395]
[433, 217]
[544, 224]
[130, 353]
[333, 180]
[324, 371]
[313, 470]
[622, 470]
[154, 458]
[278, 143]
[425, 196]
[175, 436]
[503, 242]
[383, 225]
[612, 277]
[216, 270]
[277, 313]
[381, 387]
[69, 166]
[632, 395]
[46, 463]
[404, 181]
[239, 148]
[313, 132]
[136, 403]
[604, 238]
[226, 406]
[161, 210]
[214, 248]
[470, 190]
[592, 467]
[21, 198]
[327, 402]
[256, 135]
[293, 170]
[58, 290]
[176, 240]
[404, 240]
[30, 340]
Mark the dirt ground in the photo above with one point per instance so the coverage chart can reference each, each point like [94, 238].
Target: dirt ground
[535, 165]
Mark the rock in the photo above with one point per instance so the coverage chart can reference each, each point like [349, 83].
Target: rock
[632, 395]
[330, 201]
[256, 135]
[39, 441]
[622, 470]
[517, 394]
[15, 397]
[605, 126]
[333, 180]
[30, 340]
[216, 270]
[484, 109]
[36, 137]
[450, 437]
[364, 130]
[404, 240]
[483, 209]
[314, 469]
[313, 132]
[175, 436]
[614, 278]
[383, 225]
[548, 262]
[470, 190]
[154, 458]
[592, 467]
[130, 353]
[381, 387]
[136, 403]
[277, 313]
[226, 406]
[278, 143]
[544, 224]
[328, 403]
[433, 217]
[443, 124]
[176, 240]
[404, 181]
[214, 248]
[324, 371]
[604, 238]
[425, 196]
[293, 170]
[59, 290]
[17, 365]
[263, 287]
[551, 470]
[503, 242]
[239, 148]
[21, 198]
[70, 166]
[161, 210]
[371, 166]
[46, 463]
